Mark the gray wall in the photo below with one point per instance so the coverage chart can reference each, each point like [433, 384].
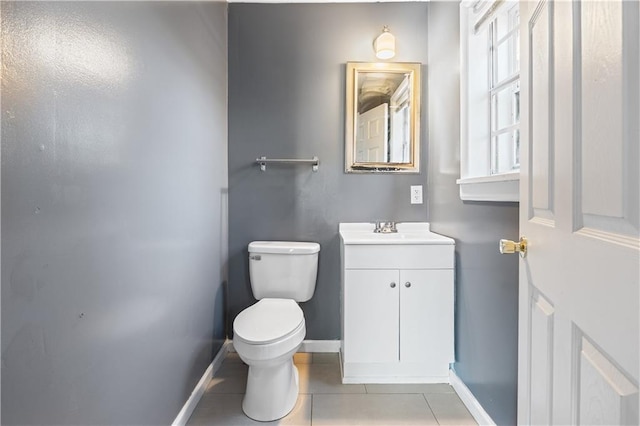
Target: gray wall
[486, 282]
[114, 173]
[286, 99]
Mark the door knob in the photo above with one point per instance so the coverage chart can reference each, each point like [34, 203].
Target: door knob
[508, 247]
[407, 284]
[393, 285]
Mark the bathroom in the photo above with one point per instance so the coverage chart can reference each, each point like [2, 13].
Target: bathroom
[118, 209]
[130, 193]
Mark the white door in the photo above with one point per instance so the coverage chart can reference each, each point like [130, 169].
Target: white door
[373, 129]
[400, 126]
[579, 209]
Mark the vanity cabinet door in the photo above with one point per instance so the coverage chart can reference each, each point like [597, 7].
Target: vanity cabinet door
[426, 317]
[371, 319]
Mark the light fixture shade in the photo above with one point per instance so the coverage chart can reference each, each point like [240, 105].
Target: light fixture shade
[385, 45]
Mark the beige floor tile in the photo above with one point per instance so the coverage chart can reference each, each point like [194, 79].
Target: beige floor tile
[410, 388]
[230, 378]
[232, 358]
[449, 409]
[226, 410]
[371, 409]
[324, 378]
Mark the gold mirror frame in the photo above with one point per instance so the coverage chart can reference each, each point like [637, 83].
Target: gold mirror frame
[400, 73]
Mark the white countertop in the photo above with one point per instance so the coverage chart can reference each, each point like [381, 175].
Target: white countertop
[408, 233]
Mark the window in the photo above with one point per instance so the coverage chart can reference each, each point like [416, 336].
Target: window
[490, 100]
[505, 91]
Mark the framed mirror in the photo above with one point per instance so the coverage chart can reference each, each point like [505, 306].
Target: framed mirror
[382, 117]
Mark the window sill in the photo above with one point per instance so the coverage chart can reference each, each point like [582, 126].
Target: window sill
[503, 188]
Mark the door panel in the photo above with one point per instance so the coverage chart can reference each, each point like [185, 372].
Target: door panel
[541, 355]
[601, 117]
[579, 321]
[371, 315]
[426, 317]
[600, 380]
[541, 87]
[606, 181]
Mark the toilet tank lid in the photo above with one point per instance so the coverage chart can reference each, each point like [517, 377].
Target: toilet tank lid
[284, 247]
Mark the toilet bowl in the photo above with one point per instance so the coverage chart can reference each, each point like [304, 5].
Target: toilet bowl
[266, 336]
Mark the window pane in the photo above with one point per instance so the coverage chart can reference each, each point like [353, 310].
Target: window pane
[505, 42]
[514, 18]
[506, 106]
[503, 24]
[506, 58]
[505, 152]
[516, 149]
[502, 61]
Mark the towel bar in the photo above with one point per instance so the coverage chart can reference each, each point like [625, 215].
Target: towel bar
[264, 160]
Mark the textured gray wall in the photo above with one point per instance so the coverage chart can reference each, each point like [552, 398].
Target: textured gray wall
[114, 173]
[286, 99]
[486, 282]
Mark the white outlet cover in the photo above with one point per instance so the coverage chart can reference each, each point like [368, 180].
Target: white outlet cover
[416, 194]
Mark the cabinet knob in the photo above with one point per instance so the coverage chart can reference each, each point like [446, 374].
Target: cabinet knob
[393, 285]
[407, 284]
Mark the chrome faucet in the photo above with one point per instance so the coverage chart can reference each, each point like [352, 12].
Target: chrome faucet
[383, 227]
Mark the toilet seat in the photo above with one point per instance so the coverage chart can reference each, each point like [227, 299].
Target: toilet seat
[268, 330]
[268, 321]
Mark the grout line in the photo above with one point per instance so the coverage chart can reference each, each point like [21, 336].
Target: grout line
[430, 409]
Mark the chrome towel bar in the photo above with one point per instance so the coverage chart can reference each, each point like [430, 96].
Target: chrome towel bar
[264, 160]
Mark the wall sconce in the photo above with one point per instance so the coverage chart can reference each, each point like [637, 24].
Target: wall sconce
[385, 44]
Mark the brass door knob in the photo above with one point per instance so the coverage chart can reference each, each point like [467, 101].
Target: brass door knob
[508, 247]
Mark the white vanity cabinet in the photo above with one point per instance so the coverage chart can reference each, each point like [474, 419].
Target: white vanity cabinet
[397, 306]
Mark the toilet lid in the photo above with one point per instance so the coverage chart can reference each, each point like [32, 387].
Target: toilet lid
[268, 320]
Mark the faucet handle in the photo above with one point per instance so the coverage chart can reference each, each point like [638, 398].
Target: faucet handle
[385, 227]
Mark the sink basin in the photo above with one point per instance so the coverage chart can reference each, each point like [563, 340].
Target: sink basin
[408, 233]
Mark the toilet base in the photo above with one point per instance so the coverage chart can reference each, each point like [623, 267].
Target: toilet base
[272, 390]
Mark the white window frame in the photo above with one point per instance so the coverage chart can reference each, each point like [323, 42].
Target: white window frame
[476, 181]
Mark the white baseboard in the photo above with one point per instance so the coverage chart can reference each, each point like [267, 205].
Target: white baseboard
[320, 346]
[470, 401]
[198, 391]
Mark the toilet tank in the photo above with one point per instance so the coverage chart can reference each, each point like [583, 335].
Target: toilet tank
[283, 269]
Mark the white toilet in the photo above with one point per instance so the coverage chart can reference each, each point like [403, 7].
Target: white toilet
[269, 332]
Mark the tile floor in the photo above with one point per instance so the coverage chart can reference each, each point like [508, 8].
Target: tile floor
[325, 401]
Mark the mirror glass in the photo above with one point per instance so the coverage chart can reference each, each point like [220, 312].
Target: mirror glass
[382, 117]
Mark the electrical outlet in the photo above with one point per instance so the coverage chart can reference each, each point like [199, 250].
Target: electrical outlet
[416, 194]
